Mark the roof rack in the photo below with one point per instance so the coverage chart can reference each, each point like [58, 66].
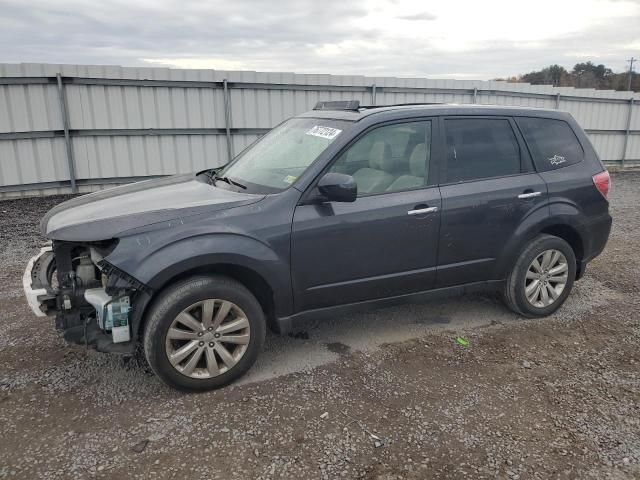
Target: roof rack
[401, 105]
[353, 105]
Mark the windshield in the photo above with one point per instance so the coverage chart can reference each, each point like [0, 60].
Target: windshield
[277, 159]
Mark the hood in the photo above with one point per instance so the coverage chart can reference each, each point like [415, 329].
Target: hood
[108, 213]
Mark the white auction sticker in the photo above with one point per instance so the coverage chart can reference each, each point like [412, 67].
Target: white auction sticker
[324, 132]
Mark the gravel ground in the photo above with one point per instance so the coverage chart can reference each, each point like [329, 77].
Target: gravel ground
[383, 395]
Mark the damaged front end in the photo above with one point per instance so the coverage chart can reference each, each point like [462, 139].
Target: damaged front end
[93, 302]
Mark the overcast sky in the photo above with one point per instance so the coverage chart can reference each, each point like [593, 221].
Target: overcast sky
[478, 39]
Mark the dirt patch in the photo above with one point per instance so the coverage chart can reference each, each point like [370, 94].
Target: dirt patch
[383, 395]
[339, 348]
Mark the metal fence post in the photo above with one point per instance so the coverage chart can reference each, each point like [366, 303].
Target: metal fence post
[558, 101]
[227, 119]
[373, 94]
[627, 133]
[475, 94]
[67, 139]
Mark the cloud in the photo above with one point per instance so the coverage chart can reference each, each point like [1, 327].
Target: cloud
[418, 16]
[369, 37]
[198, 63]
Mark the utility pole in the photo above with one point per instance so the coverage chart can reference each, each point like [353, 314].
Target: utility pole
[631, 60]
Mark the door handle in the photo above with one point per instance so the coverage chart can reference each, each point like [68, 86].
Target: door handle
[530, 195]
[420, 211]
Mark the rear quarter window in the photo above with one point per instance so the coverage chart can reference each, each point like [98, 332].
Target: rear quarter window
[552, 143]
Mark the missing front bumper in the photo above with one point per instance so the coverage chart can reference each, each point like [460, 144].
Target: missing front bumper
[93, 303]
[33, 288]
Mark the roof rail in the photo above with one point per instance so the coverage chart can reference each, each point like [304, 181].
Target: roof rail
[417, 104]
[354, 105]
[338, 105]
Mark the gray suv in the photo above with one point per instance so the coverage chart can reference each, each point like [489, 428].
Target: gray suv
[340, 209]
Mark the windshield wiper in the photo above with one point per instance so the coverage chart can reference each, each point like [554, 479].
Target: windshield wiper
[229, 181]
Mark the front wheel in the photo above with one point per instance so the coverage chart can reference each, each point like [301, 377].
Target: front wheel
[204, 333]
[542, 277]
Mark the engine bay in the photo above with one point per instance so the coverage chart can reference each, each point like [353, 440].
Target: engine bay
[90, 299]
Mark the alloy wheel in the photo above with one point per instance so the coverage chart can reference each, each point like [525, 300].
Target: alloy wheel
[546, 278]
[208, 338]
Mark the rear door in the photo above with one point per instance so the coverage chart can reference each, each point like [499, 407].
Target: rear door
[488, 188]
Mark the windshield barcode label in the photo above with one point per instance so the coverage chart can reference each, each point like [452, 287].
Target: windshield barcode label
[324, 132]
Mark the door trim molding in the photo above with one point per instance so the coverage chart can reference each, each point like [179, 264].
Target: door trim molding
[374, 278]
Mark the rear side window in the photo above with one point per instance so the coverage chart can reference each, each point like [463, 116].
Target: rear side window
[480, 148]
[552, 143]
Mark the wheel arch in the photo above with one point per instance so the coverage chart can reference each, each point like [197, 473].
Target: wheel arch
[562, 226]
[570, 235]
[250, 278]
[252, 263]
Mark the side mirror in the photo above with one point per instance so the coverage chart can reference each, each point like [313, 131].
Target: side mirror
[338, 187]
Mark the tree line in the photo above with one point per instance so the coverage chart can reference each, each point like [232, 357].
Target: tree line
[583, 75]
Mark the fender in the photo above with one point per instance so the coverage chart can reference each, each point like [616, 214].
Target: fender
[555, 212]
[155, 265]
[528, 228]
[593, 239]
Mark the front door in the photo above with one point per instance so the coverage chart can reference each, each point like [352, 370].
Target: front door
[385, 243]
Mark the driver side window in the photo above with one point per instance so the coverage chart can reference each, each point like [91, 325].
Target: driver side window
[388, 159]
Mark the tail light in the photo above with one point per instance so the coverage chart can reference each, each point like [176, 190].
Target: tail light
[602, 183]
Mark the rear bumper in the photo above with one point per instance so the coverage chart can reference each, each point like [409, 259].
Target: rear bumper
[30, 292]
[597, 232]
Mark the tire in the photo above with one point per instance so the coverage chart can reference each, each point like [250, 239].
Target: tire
[163, 333]
[515, 294]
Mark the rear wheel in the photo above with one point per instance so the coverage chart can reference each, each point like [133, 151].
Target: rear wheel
[542, 277]
[204, 333]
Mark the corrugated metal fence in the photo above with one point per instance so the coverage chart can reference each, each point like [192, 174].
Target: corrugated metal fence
[72, 127]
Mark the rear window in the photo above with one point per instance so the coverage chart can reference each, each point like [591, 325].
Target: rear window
[480, 148]
[552, 143]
